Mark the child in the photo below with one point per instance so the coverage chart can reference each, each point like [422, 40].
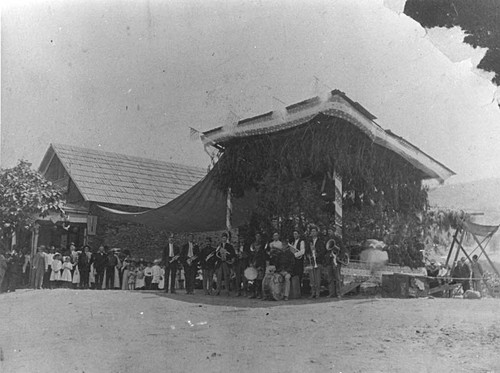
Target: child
[156, 272]
[55, 275]
[131, 277]
[66, 273]
[140, 283]
[148, 275]
[161, 284]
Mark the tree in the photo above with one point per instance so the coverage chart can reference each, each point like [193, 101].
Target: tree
[479, 19]
[26, 195]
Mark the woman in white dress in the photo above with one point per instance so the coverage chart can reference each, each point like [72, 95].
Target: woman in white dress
[66, 273]
[55, 275]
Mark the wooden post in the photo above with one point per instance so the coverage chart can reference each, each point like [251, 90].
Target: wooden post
[229, 210]
[451, 248]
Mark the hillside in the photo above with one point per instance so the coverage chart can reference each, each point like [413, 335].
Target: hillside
[479, 196]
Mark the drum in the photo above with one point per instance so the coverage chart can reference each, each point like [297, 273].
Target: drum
[250, 273]
[272, 286]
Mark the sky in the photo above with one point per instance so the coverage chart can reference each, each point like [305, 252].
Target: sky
[133, 76]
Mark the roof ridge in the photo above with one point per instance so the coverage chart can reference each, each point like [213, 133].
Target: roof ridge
[134, 157]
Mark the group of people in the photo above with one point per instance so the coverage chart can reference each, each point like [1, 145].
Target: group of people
[228, 264]
[460, 273]
[222, 266]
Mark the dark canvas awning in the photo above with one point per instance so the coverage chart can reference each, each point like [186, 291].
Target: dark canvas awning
[201, 209]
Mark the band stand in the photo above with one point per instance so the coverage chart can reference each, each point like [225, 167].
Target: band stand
[474, 230]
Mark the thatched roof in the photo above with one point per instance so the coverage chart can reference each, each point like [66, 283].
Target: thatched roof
[336, 105]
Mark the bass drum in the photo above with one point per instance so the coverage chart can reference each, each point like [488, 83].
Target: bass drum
[272, 286]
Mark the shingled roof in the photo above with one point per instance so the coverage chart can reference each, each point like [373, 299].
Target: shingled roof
[113, 178]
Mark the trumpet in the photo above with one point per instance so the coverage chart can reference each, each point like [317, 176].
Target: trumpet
[173, 259]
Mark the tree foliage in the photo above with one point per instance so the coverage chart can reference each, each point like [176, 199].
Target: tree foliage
[25, 195]
[382, 193]
[479, 19]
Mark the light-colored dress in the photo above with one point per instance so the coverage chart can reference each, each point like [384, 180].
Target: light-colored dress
[156, 271]
[140, 282]
[125, 274]
[66, 275]
[56, 270]
[161, 284]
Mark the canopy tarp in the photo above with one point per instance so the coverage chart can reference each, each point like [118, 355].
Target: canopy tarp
[479, 230]
[202, 208]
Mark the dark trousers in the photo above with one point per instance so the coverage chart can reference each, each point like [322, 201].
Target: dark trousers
[170, 272]
[99, 278]
[46, 278]
[239, 269]
[223, 270]
[189, 275]
[208, 277]
[333, 280]
[84, 277]
[147, 280]
[110, 277]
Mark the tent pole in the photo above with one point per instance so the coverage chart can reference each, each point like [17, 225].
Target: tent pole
[486, 255]
[458, 250]
[229, 210]
[451, 248]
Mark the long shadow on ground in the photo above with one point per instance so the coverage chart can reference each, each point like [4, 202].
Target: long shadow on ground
[244, 302]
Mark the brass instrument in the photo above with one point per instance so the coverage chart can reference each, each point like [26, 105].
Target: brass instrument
[189, 261]
[174, 259]
[314, 258]
[209, 256]
[221, 253]
[331, 246]
[296, 250]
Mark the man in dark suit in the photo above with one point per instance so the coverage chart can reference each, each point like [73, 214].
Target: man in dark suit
[99, 259]
[189, 257]
[225, 258]
[171, 259]
[316, 251]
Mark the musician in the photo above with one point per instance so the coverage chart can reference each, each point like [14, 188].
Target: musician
[240, 264]
[189, 259]
[225, 256]
[299, 249]
[273, 248]
[258, 259]
[331, 263]
[315, 253]
[285, 261]
[207, 263]
[171, 256]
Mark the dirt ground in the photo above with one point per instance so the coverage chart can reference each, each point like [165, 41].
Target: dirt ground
[118, 331]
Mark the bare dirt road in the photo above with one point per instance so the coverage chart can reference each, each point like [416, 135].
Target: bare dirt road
[119, 331]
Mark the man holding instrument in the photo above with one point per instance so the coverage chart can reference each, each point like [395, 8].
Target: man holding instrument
[189, 258]
[316, 253]
[170, 258]
[207, 263]
[225, 256]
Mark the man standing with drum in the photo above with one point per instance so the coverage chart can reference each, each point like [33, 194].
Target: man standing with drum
[332, 265]
[258, 258]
